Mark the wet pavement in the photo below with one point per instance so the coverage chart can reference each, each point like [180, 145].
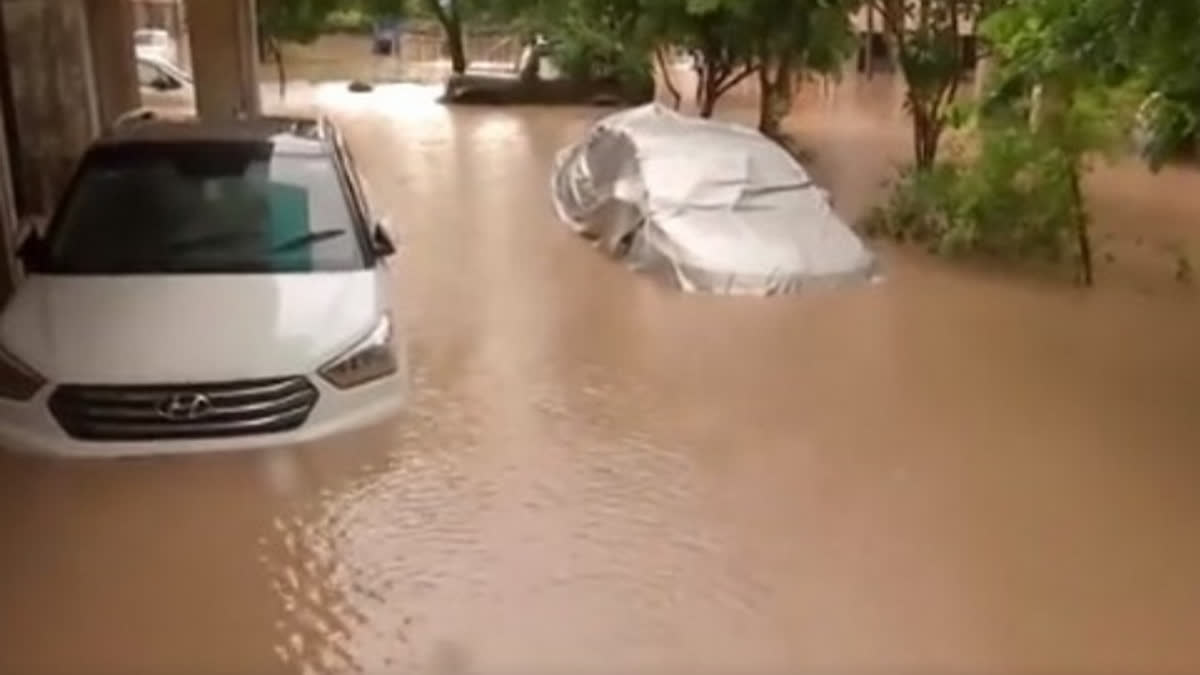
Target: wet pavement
[953, 471]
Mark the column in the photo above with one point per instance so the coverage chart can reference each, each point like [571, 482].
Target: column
[224, 57]
[8, 222]
[110, 24]
[54, 95]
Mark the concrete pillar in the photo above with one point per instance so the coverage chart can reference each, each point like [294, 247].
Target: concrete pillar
[53, 93]
[224, 57]
[8, 223]
[110, 24]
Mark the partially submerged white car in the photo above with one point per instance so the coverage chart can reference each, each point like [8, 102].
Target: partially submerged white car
[203, 286]
[709, 206]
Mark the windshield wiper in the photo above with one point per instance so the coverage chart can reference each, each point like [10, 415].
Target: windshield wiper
[307, 240]
[227, 237]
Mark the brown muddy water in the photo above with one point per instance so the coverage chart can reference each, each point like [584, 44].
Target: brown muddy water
[953, 471]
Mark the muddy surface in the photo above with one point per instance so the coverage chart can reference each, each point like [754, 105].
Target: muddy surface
[954, 471]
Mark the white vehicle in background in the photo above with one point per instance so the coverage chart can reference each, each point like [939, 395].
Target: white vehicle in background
[202, 286]
[164, 86]
[156, 43]
[706, 205]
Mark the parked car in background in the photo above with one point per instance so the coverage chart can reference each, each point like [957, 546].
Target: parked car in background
[157, 43]
[707, 205]
[202, 286]
[164, 86]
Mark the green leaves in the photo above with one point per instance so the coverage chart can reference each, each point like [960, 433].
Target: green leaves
[295, 20]
[1115, 50]
[1012, 199]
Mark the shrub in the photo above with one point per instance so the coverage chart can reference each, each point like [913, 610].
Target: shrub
[1166, 129]
[348, 21]
[1012, 197]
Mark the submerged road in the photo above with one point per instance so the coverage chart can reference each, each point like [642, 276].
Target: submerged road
[948, 472]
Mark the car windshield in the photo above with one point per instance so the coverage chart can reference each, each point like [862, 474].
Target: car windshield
[204, 207]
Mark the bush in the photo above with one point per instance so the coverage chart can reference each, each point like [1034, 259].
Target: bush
[347, 21]
[1166, 129]
[589, 57]
[1011, 198]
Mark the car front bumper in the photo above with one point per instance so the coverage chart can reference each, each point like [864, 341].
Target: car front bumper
[29, 426]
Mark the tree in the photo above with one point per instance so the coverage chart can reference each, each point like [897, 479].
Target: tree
[731, 40]
[1083, 108]
[715, 33]
[1120, 43]
[289, 21]
[791, 36]
[449, 14]
[928, 44]
[1163, 43]
[589, 40]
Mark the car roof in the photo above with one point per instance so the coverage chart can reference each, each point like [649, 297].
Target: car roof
[289, 135]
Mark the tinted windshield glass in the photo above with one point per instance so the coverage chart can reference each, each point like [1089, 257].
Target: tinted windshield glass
[160, 208]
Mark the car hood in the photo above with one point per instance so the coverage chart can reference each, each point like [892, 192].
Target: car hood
[188, 328]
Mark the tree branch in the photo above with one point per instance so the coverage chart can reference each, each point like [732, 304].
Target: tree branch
[746, 71]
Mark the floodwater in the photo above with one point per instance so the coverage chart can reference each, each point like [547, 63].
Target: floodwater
[953, 471]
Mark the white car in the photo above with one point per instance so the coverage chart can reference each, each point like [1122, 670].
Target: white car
[157, 43]
[164, 86]
[202, 287]
[705, 205]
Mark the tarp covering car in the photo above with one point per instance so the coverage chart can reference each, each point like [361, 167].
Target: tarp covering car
[711, 206]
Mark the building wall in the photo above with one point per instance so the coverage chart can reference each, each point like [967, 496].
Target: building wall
[225, 63]
[110, 25]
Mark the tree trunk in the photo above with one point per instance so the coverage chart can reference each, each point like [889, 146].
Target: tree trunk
[927, 134]
[764, 100]
[454, 43]
[708, 91]
[451, 20]
[869, 56]
[277, 54]
[708, 104]
[775, 96]
[1082, 237]
[664, 68]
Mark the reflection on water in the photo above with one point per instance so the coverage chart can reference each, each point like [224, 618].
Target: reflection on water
[952, 471]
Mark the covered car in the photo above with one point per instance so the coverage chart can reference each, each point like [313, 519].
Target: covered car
[708, 205]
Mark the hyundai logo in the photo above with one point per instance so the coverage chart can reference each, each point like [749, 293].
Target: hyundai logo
[184, 407]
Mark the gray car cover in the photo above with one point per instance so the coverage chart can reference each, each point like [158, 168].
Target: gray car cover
[711, 206]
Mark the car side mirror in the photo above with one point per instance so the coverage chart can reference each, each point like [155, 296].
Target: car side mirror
[381, 241]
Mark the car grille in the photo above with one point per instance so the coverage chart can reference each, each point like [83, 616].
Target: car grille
[182, 411]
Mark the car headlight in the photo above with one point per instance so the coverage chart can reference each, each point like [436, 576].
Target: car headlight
[369, 360]
[18, 382]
